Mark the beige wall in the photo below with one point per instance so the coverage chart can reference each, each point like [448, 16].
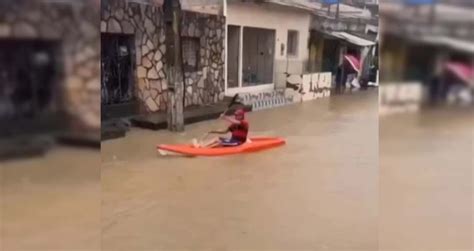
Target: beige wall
[280, 19]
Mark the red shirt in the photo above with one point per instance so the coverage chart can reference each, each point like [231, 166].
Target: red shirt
[239, 131]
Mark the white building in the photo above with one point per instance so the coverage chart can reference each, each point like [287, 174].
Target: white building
[266, 40]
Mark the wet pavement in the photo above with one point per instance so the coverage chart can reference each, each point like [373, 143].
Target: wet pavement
[318, 192]
[426, 181]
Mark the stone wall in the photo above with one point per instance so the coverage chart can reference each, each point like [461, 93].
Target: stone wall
[145, 22]
[206, 85]
[73, 25]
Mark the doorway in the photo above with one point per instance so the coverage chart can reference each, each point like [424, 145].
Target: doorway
[258, 56]
[117, 69]
[29, 90]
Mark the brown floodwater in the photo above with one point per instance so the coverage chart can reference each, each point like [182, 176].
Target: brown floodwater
[324, 190]
[318, 192]
[426, 174]
[51, 203]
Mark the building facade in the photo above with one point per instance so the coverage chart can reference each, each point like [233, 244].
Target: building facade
[49, 66]
[427, 49]
[134, 77]
[262, 51]
[267, 57]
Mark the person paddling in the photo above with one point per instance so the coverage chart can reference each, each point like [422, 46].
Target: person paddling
[238, 128]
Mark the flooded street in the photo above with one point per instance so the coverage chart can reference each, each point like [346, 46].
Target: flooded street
[323, 190]
[317, 192]
[426, 188]
[51, 203]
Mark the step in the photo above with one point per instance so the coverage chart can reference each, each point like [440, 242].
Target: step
[113, 129]
[24, 147]
[90, 139]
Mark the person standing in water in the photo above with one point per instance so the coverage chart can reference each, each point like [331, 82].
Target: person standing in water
[238, 128]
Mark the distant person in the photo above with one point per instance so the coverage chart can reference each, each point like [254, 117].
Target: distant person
[340, 80]
[238, 128]
[435, 87]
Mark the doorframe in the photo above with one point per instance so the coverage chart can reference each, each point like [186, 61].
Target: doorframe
[133, 106]
[230, 91]
[55, 117]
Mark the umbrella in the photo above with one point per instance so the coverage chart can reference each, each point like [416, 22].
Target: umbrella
[353, 61]
[462, 71]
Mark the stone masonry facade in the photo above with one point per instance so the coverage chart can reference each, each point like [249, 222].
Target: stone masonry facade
[204, 85]
[74, 26]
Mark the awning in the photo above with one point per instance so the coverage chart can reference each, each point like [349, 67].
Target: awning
[462, 71]
[457, 44]
[351, 38]
[452, 43]
[353, 61]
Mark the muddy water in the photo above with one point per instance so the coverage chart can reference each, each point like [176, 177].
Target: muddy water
[318, 192]
[51, 203]
[322, 191]
[426, 181]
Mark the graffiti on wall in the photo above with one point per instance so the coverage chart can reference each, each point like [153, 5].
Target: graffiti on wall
[299, 88]
[304, 87]
[400, 97]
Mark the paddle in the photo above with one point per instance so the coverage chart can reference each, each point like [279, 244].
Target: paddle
[233, 101]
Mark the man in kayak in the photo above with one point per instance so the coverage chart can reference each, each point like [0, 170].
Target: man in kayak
[239, 128]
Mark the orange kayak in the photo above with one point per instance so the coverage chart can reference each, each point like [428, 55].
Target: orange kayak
[255, 144]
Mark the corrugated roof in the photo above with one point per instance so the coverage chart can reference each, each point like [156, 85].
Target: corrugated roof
[351, 38]
[453, 43]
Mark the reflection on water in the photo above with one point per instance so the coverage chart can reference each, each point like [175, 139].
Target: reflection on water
[426, 190]
[318, 191]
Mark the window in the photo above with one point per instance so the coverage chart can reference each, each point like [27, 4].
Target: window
[191, 54]
[292, 43]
